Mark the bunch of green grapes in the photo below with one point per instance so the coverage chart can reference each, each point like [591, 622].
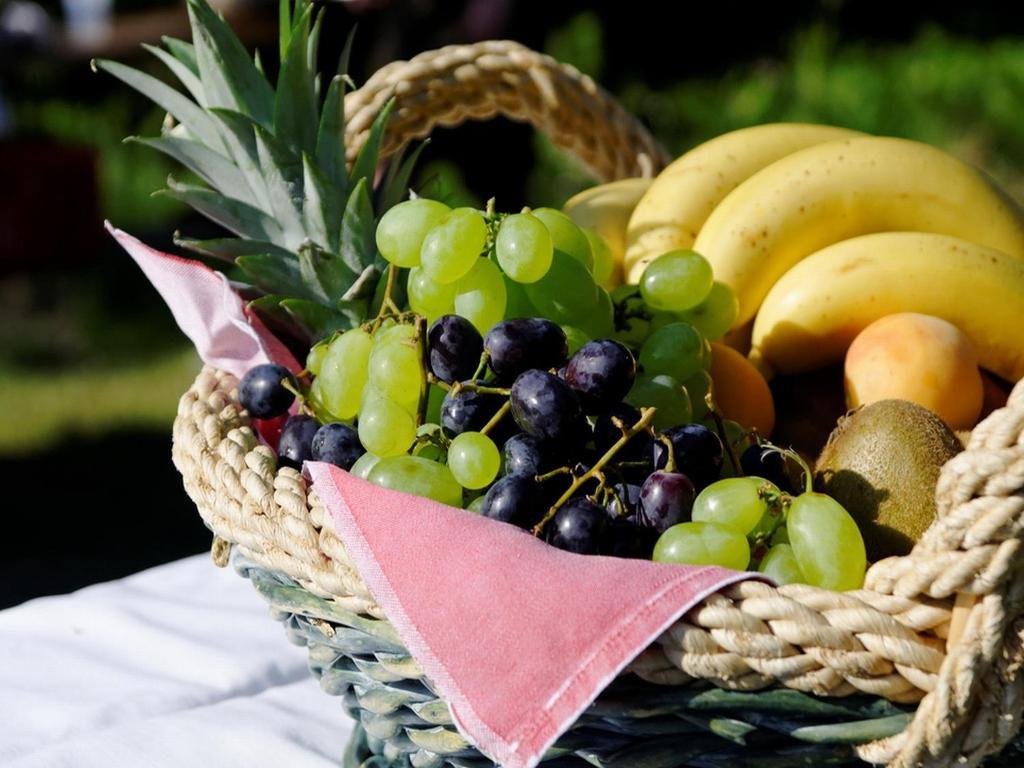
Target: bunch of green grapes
[488, 266]
[747, 522]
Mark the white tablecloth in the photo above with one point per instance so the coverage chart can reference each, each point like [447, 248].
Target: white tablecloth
[180, 665]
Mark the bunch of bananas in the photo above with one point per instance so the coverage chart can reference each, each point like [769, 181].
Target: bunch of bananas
[820, 231]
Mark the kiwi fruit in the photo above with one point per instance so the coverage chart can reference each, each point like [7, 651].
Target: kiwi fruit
[881, 463]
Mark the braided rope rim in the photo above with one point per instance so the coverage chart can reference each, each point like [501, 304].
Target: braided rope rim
[456, 83]
[887, 639]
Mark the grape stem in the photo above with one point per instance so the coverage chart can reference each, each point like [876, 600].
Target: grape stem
[421, 340]
[789, 453]
[432, 379]
[553, 473]
[497, 417]
[388, 308]
[646, 416]
[720, 428]
[483, 389]
[484, 357]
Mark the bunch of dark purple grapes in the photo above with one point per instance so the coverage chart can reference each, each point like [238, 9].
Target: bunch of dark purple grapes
[581, 467]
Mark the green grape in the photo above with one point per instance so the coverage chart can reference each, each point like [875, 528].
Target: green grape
[676, 350]
[604, 260]
[517, 304]
[364, 465]
[780, 566]
[697, 387]
[392, 332]
[427, 297]
[566, 236]
[714, 316]
[474, 460]
[676, 280]
[477, 504]
[827, 543]
[402, 229]
[386, 428]
[736, 502]
[565, 293]
[435, 398]
[452, 247]
[633, 332]
[480, 295]
[664, 393]
[575, 338]
[523, 247]
[660, 319]
[409, 399]
[338, 389]
[703, 544]
[315, 358]
[396, 367]
[781, 536]
[418, 476]
[600, 322]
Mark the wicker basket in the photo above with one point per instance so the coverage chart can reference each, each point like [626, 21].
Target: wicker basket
[920, 667]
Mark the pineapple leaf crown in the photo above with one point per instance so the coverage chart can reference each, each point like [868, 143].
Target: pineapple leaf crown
[272, 166]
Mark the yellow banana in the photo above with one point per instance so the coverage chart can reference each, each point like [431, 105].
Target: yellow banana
[842, 189]
[673, 210]
[811, 316]
[606, 208]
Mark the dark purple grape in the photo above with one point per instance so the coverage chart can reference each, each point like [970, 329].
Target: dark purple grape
[624, 538]
[467, 411]
[337, 444]
[666, 498]
[514, 499]
[262, 393]
[454, 347]
[602, 372]
[770, 465]
[296, 443]
[525, 455]
[624, 500]
[514, 346]
[578, 527]
[546, 407]
[698, 453]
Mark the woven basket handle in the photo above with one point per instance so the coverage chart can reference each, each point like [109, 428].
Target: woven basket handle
[448, 86]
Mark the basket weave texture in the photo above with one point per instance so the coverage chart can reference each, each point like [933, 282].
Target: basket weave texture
[887, 640]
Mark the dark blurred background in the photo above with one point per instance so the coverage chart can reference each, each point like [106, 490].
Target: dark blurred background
[91, 364]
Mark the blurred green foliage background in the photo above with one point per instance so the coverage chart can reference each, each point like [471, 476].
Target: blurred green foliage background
[87, 350]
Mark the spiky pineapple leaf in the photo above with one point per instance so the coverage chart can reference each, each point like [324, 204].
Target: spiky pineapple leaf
[238, 132]
[365, 166]
[185, 76]
[183, 51]
[270, 272]
[346, 52]
[233, 215]
[295, 108]
[317, 320]
[284, 27]
[282, 174]
[322, 207]
[330, 140]
[277, 319]
[395, 188]
[229, 76]
[230, 248]
[196, 121]
[325, 274]
[357, 245]
[212, 167]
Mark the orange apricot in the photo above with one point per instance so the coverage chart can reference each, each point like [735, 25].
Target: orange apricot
[741, 392]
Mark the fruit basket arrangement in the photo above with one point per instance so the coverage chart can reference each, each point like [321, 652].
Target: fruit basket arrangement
[597, 377]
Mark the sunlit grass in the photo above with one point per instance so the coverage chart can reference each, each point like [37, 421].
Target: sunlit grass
[39, 409]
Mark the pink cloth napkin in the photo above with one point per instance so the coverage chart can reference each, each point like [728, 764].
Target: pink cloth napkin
[207, 310]
[517, 636]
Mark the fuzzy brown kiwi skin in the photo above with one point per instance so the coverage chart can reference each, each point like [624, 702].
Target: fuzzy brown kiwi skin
[881, 463]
